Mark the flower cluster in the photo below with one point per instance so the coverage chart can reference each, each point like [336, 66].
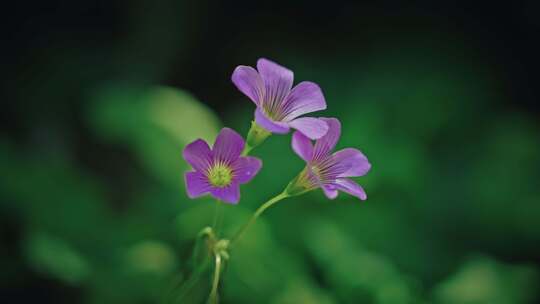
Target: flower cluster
[221, 170]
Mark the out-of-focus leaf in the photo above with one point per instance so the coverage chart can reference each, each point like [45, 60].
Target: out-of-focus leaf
[303, 292]
[483, 280]
[151, 257]
[157, 122]
[50, 194]
[506, 158]
[56, 258]
[354, 273]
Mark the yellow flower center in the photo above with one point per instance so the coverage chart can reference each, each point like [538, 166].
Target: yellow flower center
[220, 175]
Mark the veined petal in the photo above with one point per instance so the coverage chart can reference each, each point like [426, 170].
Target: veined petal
[249, 82]
[228, 146]
[325, 144]
[302, 146]
[275, 75]
[196, 184]
[313, 128]
[277, 81]
[229, 194]
[198, 155]
[351, 187]
[353, 161]
[270, 125]
[245, 168]
[330, 191]
[305, 97]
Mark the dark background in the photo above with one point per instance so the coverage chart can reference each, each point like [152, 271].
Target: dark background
[441, 96]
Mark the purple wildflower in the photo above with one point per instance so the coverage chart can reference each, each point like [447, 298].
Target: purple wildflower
[219, 170]
[329, 171]
[279, 106]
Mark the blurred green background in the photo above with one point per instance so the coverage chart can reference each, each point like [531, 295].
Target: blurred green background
[100, 97]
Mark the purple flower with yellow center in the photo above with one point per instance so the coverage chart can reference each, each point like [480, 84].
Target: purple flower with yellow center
[221, 170]
[279, 105]
[325, 170]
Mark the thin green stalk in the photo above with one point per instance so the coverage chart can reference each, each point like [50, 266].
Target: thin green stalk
[197, 265]
[213, 298]
[191, 281]
[256, 215]
[247, 149]
[218, 214]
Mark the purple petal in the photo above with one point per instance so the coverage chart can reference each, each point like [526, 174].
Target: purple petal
[277, 81]
[325, 144]
[305, 97]
[270, 125]
[249, 82]
[330, 191]
[313, 128]
[198, 155]
[302, 146]
[245, 168]
[196, 184]
[228, 146]
[353, 161]
[229, 194]
[351, 187]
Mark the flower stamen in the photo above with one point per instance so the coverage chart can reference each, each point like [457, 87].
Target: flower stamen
[220, 175]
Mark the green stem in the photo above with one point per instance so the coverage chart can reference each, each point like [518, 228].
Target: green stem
[218, 215]
[247, 149]
[213, 298]
[256, 215]
[197, 265]
[191, 281]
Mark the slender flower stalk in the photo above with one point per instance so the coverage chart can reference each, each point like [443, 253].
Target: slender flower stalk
[218, 218]
[190, 283]
[256, 215]
[206, 235]
[214, 298]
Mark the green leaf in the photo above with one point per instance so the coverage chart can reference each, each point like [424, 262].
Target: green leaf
[156, 122]
[482, 280]
[57, 258]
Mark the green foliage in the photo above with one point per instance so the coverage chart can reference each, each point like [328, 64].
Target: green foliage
[452, 194]
[156, 122]
[56, 258]
[482, 280]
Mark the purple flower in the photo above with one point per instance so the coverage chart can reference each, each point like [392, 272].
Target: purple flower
[219, 170]
[325, 170]
[279, 106]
